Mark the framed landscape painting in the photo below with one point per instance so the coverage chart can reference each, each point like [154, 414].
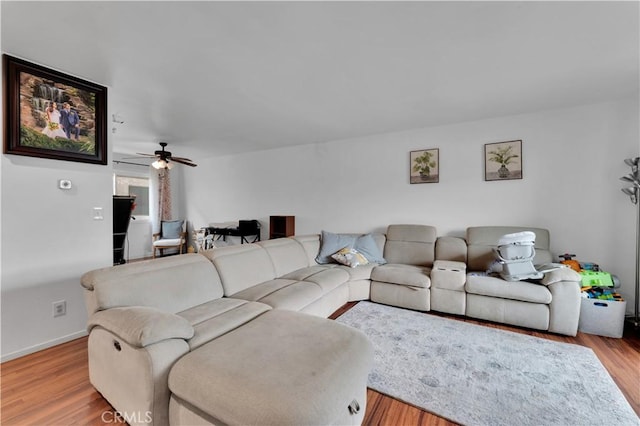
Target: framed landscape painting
[53, 115]
[503, 160]
[424, 166]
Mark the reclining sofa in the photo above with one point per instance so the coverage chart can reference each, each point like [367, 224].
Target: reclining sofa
[239, 335]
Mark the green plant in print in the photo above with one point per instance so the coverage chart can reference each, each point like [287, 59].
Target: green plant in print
[424, 163]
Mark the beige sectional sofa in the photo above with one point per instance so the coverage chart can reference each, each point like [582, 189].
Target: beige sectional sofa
[219, 337]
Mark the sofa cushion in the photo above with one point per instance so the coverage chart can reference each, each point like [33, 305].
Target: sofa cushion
[171, 284]
[515, 290]
[294, 297]
[311, 245]
[410, 244]
[325, 278]
[241, 266]
[362, 272]
[409, 275]
[213, 319]
[329, 279]
[302, 273]
[282, 293]
[286, 254]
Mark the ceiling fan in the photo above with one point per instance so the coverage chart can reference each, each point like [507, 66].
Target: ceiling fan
[164, 159]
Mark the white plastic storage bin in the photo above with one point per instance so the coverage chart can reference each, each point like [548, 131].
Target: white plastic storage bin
[602, 317]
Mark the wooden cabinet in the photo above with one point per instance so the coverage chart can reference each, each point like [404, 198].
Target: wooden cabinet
[281, 226]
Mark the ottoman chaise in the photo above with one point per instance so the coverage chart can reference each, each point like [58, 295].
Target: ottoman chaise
[282, 368]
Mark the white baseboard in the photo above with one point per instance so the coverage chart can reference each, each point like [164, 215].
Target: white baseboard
[43, 345]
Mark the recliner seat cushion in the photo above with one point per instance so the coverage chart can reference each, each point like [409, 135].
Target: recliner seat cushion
[362, 272]
[329, 279]
[303, 273]
[217, 317]
[409, 275]
[283, 294]
[514, 290]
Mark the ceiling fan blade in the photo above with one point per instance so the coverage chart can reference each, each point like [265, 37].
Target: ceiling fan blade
[182, 158]
[183, 161]
[145, 155]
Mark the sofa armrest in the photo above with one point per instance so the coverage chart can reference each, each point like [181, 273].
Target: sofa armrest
[560, 274]
[448, 275]
[564, 309]
[141, 326]
[451, 248]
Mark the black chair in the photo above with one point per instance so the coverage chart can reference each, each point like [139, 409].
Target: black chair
[247, 228]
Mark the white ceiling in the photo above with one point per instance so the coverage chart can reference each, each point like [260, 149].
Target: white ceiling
[216, 78]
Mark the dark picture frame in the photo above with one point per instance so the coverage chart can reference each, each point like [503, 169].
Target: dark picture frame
[503, 160]
[33, 128]
[424, 166]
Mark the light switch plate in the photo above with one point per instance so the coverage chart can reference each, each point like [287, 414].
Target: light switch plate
[97, 213]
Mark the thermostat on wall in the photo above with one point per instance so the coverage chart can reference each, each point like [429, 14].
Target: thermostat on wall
[64, 184]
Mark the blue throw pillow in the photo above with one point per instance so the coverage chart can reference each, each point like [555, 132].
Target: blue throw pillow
[172, 229]
[331, 243]
[366, 245]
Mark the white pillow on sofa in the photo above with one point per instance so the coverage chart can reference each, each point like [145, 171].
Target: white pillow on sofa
[350, 257]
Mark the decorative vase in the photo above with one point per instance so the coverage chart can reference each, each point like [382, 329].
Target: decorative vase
[503, 172]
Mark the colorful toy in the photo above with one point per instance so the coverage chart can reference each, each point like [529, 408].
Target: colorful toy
[596, 279]
[601, 294]
[568, 260]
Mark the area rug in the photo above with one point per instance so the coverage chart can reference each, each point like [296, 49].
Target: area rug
[477, 375]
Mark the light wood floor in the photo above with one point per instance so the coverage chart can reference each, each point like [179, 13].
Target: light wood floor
[51, 387]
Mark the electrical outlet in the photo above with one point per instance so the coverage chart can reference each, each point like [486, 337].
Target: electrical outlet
[59, 308]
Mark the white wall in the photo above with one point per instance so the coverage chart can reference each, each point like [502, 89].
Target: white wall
[572, 161]
[49, 240]
[572, 164]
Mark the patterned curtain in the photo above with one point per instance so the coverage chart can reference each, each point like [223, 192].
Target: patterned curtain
[164, 195]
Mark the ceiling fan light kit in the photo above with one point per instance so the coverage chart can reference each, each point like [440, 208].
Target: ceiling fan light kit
[162, 164]
[165, 160]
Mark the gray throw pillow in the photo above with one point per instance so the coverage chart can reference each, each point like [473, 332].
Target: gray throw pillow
[366, 245]
[331, 243]
[172, 229]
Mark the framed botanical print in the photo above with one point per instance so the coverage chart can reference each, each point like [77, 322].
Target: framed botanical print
[503, 160]
[424, 166]
[53, 115]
